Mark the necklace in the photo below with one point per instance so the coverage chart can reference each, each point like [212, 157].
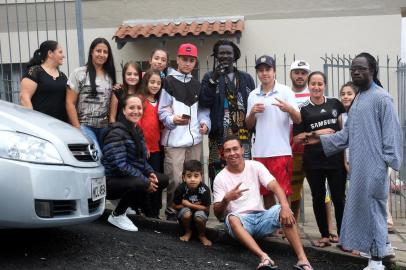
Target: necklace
[51, 72]
[152, 100]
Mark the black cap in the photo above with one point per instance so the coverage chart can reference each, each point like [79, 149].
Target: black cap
[265, 60]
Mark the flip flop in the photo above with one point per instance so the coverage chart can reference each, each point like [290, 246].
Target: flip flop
[333, 238]
[267, 264]
[320, 244]
[302, 266]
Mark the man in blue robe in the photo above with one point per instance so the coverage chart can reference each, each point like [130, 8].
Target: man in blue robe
[374, 137]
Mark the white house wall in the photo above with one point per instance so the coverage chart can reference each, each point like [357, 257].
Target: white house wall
[306, 38]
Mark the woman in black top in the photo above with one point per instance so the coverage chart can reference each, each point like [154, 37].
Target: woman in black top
[321, 115]
[43, 86]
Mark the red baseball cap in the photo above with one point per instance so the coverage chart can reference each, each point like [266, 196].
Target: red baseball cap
[187, 49]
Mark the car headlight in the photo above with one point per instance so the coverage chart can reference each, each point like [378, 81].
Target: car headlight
[23, 147]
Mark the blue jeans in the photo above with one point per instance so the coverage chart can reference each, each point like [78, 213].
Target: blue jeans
[257, 224]
[95, 134]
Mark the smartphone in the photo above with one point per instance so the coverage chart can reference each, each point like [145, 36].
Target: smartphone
[185, 116]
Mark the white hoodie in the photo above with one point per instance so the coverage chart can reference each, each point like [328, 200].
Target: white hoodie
[175, 102]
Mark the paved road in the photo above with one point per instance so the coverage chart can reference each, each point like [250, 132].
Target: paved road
[101, 246]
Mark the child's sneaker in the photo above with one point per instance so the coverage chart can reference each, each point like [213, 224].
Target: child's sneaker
[122, 222]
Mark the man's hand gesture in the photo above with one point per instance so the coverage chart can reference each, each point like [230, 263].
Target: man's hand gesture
[235, 193]
[283, 106]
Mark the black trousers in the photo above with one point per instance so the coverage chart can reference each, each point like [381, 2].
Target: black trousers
[155, 160]
[132, 193]
[336, 179]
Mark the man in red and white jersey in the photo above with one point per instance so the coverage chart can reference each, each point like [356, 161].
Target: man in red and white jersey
[299, 71]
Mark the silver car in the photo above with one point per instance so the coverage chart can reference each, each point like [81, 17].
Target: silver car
[50, 174]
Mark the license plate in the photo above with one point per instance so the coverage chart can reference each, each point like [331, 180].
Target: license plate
[98, 188]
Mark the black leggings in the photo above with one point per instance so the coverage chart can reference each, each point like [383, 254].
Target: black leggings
[336, 179]
[132, 193]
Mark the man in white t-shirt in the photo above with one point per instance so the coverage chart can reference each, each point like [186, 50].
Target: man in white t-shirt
[237, 201]
[271, 110]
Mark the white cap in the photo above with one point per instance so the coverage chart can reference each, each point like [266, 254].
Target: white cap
[300, 64]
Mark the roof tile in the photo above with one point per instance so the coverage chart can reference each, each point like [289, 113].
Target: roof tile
[181, 28]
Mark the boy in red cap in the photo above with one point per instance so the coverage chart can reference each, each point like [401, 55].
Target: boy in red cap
[184, 121]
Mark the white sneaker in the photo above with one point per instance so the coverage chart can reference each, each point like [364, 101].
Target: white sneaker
[374, 265]
[122, 222]
[374, 268]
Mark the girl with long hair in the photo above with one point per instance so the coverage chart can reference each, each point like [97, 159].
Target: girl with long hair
[131, 76]
[89, 91]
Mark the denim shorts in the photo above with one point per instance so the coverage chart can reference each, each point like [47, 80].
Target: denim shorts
[257, 224]
[196, 214]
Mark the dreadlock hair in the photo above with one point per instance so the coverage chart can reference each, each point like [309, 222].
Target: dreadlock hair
[139, 71]
[373, 65]
[41, 54]
[108, 66]
[237, 52]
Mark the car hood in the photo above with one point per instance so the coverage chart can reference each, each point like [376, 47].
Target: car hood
[17, 118]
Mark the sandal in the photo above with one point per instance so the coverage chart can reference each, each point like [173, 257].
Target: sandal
[333, 238]
[267, 264]
[301, 266]
[321, 243]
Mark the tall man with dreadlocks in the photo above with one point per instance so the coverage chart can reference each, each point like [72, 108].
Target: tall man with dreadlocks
[364, 225]
[225, 91]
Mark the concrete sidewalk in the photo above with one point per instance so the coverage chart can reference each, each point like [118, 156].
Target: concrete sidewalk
[308, 232]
